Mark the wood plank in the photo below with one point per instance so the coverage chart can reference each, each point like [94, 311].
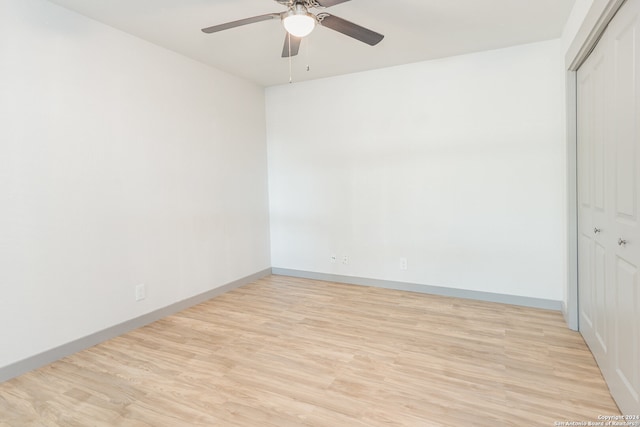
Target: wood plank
[289, 352]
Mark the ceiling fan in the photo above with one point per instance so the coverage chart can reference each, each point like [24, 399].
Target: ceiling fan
[299, 22]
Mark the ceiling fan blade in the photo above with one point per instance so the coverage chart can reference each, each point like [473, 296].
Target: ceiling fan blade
[329, 3]
[295, 45]
[350, 29]
[240, 22]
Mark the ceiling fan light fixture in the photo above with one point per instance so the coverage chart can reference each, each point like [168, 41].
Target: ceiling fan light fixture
[299, 22]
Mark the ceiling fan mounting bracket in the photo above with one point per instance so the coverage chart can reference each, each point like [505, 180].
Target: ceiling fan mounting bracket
[309, 4]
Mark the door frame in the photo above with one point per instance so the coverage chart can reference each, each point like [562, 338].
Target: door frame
[598, 17]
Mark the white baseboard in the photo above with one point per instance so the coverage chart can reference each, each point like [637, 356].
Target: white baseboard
[426, 289]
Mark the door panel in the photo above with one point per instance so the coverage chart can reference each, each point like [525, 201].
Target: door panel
[625, 360]
[624, 128]
[600, 297]
[585, 189]
[592, 202]
[598, 134]
[608, 194]
[586, 299]
[585, 135]
[627, 356]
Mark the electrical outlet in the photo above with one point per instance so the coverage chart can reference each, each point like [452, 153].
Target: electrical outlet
[403, 264]
[345, 259]
[333, 258]
[141, 292]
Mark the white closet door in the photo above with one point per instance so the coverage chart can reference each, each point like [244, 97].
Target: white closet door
[608, 217]
[593, 207]
[624, 35]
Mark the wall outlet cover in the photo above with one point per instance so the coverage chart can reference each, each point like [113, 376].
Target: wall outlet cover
[141, 292]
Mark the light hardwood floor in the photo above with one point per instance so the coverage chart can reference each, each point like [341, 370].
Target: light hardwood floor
[293, 352]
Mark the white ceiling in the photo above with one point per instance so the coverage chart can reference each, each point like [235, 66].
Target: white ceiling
[415, 30]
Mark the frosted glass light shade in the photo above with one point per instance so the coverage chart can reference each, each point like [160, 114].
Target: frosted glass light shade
[299, 25]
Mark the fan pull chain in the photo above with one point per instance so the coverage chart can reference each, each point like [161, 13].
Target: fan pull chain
[289, 43]
[307, 49]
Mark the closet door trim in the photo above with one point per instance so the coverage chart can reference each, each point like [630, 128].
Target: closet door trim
[596, 21]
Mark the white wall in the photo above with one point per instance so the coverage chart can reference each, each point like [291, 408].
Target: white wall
[120, 163]
[456, 164]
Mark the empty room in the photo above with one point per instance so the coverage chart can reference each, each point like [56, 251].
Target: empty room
[319, 213]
